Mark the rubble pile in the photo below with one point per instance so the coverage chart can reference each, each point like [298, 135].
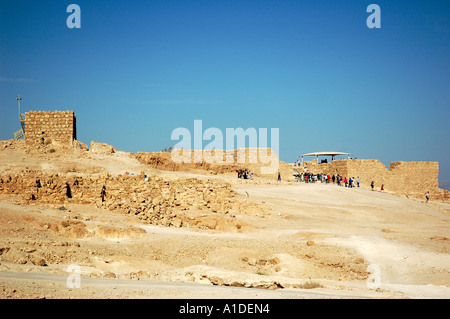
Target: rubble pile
[181, 202]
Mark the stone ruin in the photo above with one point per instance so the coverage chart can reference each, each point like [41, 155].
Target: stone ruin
[45, 127]
[152, 200]
[401, 178]
[229, 161]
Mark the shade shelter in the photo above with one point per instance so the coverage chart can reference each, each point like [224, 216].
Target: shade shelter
[332, 154]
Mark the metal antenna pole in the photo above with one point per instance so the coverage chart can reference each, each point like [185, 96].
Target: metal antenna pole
[19, 99]
[21, 118]
[20, 133]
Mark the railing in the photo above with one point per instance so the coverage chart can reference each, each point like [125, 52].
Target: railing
[20, 133]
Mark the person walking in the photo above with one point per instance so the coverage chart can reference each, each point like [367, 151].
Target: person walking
[103, 193]
[372, 185]
[279, 177]
[427, 196]
[357, 181]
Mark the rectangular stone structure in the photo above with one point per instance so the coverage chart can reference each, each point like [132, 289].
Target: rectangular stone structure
[45, 127]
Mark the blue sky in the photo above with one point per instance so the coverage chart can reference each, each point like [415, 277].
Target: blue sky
[136, 70]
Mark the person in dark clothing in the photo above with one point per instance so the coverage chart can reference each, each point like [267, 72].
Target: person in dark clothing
[103, 193]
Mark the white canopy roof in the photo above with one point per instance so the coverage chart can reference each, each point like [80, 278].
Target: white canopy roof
[325, 154]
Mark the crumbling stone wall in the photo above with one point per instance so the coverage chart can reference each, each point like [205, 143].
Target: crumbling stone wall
[402, 178]
[45, 127]
[252, 159]
[154, 201]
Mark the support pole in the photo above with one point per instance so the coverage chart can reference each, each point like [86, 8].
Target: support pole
[19, 99]
[22, 120]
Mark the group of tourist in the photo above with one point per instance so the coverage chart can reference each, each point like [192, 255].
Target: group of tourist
[338, 180]
[325, 178]
[350, 182]
[244, 174]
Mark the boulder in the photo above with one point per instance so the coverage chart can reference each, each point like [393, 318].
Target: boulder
[101, 148]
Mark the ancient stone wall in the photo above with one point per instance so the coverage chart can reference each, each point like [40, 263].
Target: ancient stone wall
[152, 200]
[261, 161]
[402, 178]
[43, 128]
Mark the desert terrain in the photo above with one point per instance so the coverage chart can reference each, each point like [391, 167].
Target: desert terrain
[268, 239]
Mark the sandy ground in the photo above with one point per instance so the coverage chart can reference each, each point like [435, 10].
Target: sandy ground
[312, 241]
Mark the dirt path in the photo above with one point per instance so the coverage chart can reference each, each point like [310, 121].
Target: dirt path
[50, 286]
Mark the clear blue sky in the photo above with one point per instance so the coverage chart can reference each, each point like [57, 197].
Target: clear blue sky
[136, 70]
